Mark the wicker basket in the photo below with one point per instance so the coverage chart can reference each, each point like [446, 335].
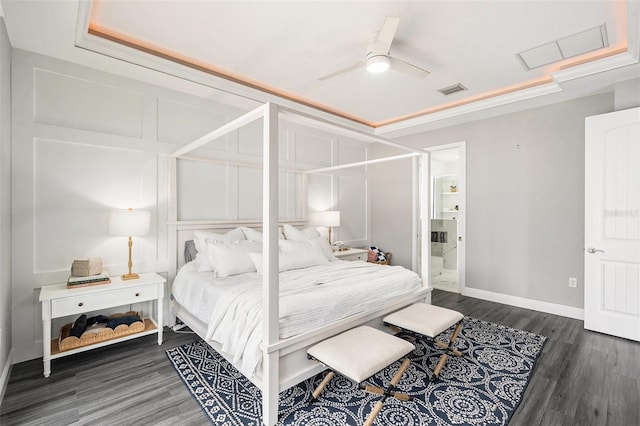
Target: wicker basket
[66, 342]
[385, 262]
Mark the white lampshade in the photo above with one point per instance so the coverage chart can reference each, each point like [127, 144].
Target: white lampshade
[129, 223]
[327, 218]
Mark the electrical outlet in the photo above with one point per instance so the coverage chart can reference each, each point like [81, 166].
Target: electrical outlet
[573, 282]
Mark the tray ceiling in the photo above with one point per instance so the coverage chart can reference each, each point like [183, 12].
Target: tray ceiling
[499, 51]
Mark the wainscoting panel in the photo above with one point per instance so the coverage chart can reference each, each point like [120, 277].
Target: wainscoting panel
[352, 195]
[63, 100]
[312, 149]
[74, 188]
[350, 151]
[249, 193]
[320, 193]
[250, 140]
[181, 123]
[207, 191]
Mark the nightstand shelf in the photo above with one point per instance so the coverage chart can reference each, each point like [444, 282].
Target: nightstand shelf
[59, 301]
[150, 327]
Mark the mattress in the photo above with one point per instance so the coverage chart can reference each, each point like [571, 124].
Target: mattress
[309, 298]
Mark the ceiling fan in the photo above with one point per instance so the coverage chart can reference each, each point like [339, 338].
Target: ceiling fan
[378, 59]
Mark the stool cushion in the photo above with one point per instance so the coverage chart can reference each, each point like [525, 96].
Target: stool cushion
[425, 319]
[361, 352]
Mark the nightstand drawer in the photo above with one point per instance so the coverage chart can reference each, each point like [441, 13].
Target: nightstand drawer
[355, 256]
[352, 254]
[91, 302]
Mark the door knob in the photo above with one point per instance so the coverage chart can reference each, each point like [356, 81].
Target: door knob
[594, 250]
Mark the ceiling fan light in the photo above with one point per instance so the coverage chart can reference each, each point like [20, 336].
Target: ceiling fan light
[377, 64]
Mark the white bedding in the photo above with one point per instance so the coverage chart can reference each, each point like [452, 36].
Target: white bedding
[309, 298]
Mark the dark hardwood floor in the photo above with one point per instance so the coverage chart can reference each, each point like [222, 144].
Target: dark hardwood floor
[581, 378]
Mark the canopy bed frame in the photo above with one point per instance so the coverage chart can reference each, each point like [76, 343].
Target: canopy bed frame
[284, 361]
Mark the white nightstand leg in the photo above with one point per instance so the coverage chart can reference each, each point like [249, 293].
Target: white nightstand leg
[46, 347]
[160, 320]
[46, 337]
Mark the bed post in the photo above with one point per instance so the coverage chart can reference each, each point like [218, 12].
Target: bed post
[172, 231]
[425, 214]
[270, 283]
[417, 215]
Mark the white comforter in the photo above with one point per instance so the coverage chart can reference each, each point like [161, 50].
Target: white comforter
[309, 298]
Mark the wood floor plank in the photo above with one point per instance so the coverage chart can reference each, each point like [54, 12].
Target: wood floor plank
[624, 401]
[581, 377]
[592, 410]
[530, 414]
[555, 418]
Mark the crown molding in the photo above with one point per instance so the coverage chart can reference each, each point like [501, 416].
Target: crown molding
[517, 96]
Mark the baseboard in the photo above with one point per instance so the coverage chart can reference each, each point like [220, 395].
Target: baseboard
[521, 302]
[4, 379]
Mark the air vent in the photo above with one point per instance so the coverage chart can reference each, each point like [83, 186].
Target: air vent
[452, 89]
[568, 47]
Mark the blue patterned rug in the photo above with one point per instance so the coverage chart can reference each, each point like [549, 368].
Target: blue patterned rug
[483, 387]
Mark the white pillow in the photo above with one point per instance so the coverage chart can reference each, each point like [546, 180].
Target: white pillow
[323, 244]
[293, 255]
[200, 241]
[313, 236]
[255, 235]
[232, 257]
[291, 233]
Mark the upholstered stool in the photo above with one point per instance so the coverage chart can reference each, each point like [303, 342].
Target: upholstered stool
[360, 353]
[428, 320]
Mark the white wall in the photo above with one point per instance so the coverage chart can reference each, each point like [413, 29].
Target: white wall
[525, 200]
[85, 142]
[5, 206]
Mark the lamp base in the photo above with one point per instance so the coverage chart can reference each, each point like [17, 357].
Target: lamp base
[130, 277]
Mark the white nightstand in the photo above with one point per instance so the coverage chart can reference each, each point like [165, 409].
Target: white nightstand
[351, 254]
[59, 301]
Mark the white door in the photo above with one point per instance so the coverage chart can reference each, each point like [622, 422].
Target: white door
[612, 224]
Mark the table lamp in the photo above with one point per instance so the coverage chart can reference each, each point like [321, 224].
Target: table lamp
[129, 223]
[327, 218]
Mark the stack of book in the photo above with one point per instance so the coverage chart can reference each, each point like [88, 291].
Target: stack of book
[86, 272]
[74, 281]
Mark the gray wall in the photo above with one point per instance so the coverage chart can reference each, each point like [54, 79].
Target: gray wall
[391, 205]
[525, 200]
[5, 205]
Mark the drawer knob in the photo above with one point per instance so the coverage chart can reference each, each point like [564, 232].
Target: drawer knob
[137, 294]
[80, 304]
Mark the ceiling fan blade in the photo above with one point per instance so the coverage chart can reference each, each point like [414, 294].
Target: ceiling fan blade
[407, 68]
[386, 35]
[343, 70]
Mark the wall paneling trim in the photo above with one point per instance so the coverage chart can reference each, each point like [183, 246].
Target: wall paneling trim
[86, 142]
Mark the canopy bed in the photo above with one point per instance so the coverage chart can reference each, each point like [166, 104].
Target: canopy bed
[269, 345]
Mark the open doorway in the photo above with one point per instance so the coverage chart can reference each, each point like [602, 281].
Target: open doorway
[447, 216]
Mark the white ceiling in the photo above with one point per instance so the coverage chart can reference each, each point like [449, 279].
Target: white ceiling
[284, 47]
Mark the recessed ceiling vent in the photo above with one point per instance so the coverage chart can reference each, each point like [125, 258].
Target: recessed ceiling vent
[452, 89]
[558, 50]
